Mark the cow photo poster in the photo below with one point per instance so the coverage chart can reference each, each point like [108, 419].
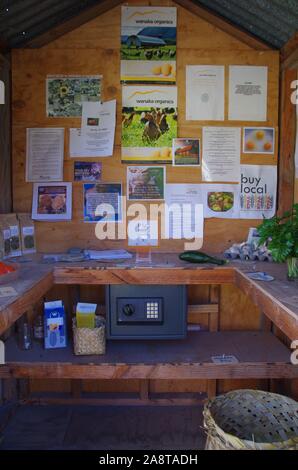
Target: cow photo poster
[148, 44]
[149, 123]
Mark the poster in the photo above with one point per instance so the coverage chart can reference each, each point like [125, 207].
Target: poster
[98, 128]
[52, 201]
[44, 154]
[248, 93]
[258, 191]
[142, 233]
[221, 154]
[221, 200]
[205, 92]
[258, 140]
[184, 217]
[102, 202]
[87, 171]
[65, 93]
[186, 152]
[148, 44]
[149, 123]
[146, 182]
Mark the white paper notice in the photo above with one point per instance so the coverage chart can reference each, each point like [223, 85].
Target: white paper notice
[98, 128]
[205, 92]
[75, 145]
[184, 217]
[221, 154]
[258, 191]
[44, 154]
[248, 93]
[221, 200]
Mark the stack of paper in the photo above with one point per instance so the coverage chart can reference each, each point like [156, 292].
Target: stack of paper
[107, 254]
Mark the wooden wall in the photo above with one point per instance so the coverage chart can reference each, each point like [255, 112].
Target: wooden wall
[5, 139]
[94, 49]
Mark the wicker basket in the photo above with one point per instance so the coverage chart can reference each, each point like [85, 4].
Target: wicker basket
[251, 420]
[88, 341]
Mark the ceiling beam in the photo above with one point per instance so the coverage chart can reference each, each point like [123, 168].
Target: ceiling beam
[225, 25]
[289, 53]
[86, 15]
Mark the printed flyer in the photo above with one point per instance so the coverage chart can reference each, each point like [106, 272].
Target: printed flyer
[146, 182]
[148, 44]
[106, 195]
[258, 191]
[65, 93]
[149, 123]
[87, 171]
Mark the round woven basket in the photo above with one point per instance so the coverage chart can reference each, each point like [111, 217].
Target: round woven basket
[251, 420]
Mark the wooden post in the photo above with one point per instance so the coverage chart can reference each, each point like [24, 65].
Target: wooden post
[287, 140]
[214, 298]
[5, 139]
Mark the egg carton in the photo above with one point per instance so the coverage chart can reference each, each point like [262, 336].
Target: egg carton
[248, 252]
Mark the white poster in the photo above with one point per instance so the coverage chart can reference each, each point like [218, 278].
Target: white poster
[148, 44]
[184, 211]
[75, 145]
[205, 92]
[221, 200]
[44, 154]
[98, 128]
[221, 154]
[248, 93]
[258, 191]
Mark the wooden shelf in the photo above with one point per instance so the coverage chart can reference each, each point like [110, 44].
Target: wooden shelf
[260, 355]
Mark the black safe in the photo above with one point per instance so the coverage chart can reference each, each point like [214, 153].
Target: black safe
[146, 312]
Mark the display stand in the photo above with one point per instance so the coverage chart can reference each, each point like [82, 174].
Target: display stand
[143, 256]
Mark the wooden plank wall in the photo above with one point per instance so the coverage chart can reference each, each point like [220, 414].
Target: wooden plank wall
[5, 138]
[94, 48]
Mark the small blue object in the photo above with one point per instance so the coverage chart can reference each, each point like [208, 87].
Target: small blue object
[54, 325]
[260, 276]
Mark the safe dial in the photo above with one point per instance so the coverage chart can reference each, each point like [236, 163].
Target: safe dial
[128, 310]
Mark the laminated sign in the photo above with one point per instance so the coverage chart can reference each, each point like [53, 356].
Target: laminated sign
[148, 45]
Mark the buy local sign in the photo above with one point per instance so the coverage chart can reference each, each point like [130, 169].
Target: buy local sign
[258, 191]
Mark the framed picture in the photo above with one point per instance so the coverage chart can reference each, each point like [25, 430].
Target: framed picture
[102, 202]
[186, 152]
[146, 182]
[52, 201]
[259, 140]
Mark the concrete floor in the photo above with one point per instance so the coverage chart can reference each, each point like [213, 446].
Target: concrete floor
[48, 427]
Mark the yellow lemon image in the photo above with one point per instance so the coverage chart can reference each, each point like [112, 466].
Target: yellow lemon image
[155, 154]
[156, 70]
[166, 69]
[165, 153]
[260, 135]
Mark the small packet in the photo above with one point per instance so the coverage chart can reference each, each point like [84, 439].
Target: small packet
[27, 229]
[15, 238]
[4, 238]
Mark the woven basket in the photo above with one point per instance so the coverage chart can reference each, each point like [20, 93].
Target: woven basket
[88, 341]
[251, 420]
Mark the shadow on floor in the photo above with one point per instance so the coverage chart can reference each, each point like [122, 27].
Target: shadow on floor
[37, 427]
